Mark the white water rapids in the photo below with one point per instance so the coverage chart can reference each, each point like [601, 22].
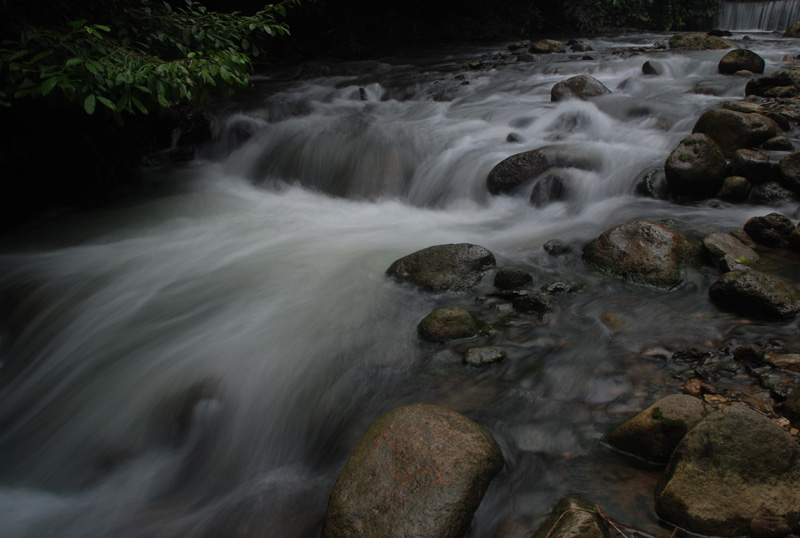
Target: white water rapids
[201, 361]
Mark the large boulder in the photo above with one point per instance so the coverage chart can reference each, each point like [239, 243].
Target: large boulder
[420, 471]
[696, 167]
[772, 230]
[521, 168]
[735, 467]
[447, 323]
[733, 130]
[727, 252]
[771, 193]
[756, 294]
[642, 252]
[782, 82]
[699, 42]
[556, 185]
[655, 432]
[789, 171]
[741, 60]
[454, 267]
[573, 517]
[578, 87]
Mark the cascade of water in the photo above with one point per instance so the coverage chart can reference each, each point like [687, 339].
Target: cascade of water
[773, 15]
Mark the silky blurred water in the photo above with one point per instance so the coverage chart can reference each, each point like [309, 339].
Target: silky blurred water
[202, 359]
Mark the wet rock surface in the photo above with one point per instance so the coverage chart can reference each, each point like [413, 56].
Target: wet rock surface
[642, 252]
[420, 470]
[734, 467]
[578, 87]
[573, 517]
[756, 294]
[453, 267]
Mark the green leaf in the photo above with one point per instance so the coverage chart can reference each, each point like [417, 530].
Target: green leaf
[49, 85]
[138, 104]
[42, 55]
[89, 104]
[17, 55]
[74, 61]
[107, 102]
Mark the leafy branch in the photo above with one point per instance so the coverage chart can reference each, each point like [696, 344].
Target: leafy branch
[149, 56]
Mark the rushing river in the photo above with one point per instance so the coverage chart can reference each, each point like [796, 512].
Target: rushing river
[200, 361]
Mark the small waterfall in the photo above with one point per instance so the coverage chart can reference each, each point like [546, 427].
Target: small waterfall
[774, 15]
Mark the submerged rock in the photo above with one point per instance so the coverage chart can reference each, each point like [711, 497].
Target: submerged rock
[484, 356]
[521, 168]
[453, 267]
[642, 252]
[733, 130]
[741, 60]
[447, 323]
[579, 87]
[696, 167]
[734, 467]
[573, 517]
[756, 294]
[556, 185]
[655, 432]
[420, 470]
[512, 279]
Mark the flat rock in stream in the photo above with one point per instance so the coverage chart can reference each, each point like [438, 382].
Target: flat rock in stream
[699, 42]
[642, 252]
[419, 471]
[453, 267]
[655, 432]
[727, 252]
[735, 467]
[447, 323]
[756, 294]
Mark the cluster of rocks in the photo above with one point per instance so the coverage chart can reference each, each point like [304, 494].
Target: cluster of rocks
[730, 463]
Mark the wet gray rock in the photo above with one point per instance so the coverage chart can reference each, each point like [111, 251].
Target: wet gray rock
[735, 189]
[727, 252]
[512, 279]
[655, 432]
[554, 247]
[453, 267]
[769, 527]
[741, 60]
[733, 130]
[578, 87]
[752, 164]
[699, 42]
[750, 353]
[521, 168]
[581, 47]
[782, 81]
[641, 252]
[789, 171]
[653, 67]
[420, 470]
[546, 46]
[756, 294]
[696, 167]
[484, 356]
[448, 323]
[556, 185]
[732, 468]
[532, 303]
[779, 143]
[771, 193]
[772, 230]
[573, 517]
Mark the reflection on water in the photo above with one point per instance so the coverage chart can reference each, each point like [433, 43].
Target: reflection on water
[202, 360]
